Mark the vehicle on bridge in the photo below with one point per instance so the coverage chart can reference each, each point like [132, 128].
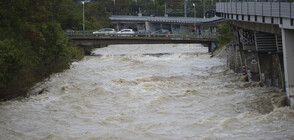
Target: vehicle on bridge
[125, 32]
[161, 32]
[142, 33]
[104, 31]
[69, 32]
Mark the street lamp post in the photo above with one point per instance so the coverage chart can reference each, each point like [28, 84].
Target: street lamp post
[203, 8]
[137, 6]
[114, 7]
[83, 2]
[194, 19]
[194, 10]
[165, 12]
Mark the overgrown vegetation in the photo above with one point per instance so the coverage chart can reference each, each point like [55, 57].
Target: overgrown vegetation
[33, 44]
[225, 34]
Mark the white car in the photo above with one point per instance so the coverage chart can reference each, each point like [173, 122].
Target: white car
[104, 31]
[126, 32]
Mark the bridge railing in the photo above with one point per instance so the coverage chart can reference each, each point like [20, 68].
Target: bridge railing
[138, 35]
[270, 9]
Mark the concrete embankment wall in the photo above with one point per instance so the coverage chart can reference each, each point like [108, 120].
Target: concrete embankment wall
[263, 54]
[259, 67]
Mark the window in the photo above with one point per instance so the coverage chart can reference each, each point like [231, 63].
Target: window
[272, 20]
[281, 20]
[255, 18]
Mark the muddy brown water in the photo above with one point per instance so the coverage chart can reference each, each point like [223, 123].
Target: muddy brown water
[171, 92]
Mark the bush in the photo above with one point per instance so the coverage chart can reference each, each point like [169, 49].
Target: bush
[33, 44]
[225, 34]
[9, 61]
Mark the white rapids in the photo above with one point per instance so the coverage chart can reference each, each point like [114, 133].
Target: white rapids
[174, 92]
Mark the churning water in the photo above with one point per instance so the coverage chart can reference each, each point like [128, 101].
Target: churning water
[174, 92]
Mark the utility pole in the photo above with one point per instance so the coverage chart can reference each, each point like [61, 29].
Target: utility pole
[164, 8]
[185, 8]
[83, 2]
[114, 7]
[145, 6]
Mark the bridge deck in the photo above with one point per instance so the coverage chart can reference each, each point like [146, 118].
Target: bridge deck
[181, 20]
[160, 39]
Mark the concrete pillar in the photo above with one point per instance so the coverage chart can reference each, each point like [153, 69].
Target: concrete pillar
[278, 80]
[288, 52]
[242, 55]
[117, 27]
[147, 25]
[270, 69]
[209, 48]
[181, 28]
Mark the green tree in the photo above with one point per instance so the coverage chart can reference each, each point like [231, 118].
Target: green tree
[96, 16]
[225, 34]
[32, 42]
[68, 14]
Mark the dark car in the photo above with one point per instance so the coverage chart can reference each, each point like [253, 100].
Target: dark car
[161, 31]
[142, 33]
[69, 32]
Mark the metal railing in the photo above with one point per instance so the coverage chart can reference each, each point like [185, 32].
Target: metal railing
[270, 9]
[138, 35]
[187, 20]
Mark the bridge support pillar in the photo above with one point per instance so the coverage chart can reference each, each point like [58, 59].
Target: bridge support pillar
[147, 26]
[117, 27]
[288, 52]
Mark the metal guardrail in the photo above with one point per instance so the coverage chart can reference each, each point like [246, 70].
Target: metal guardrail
[188, 20]
[90, 33]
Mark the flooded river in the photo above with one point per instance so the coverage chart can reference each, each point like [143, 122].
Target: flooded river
[148, 92]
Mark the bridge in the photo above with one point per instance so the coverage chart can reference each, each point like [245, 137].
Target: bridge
[183, 30]
[169, 39]
[80, 39]
[264, 40]
[177, 25]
